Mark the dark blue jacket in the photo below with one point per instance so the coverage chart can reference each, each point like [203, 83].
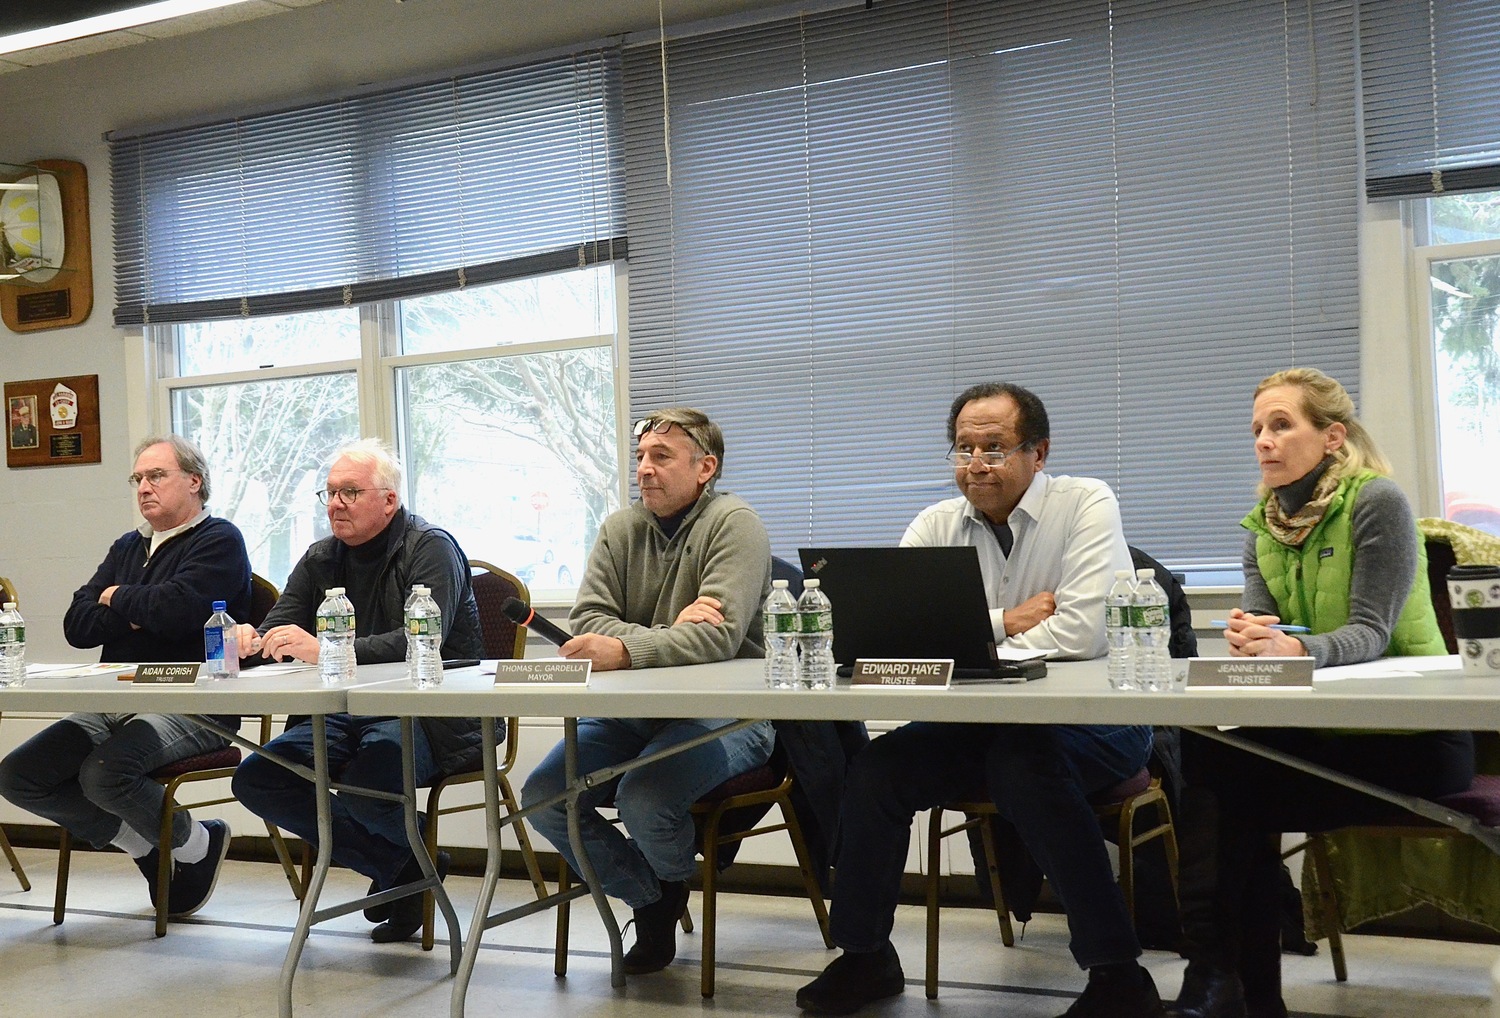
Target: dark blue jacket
[169, 597]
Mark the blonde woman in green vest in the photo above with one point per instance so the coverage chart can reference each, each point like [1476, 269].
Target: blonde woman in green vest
[1332, 546]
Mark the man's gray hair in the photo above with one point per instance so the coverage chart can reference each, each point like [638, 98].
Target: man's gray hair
[189, 459]
[375, 453]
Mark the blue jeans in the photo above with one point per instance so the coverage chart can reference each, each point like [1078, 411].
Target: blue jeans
[369, 835]
[1040, 778]
[653, 801]
[91, 773]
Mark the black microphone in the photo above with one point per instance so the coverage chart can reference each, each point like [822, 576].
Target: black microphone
[522, 614]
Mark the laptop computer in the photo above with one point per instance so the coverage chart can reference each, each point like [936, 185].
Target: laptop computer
[912, 603]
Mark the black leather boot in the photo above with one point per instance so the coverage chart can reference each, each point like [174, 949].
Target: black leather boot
[1208, 990]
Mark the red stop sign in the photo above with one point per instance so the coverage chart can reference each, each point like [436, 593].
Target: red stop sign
[540, 500]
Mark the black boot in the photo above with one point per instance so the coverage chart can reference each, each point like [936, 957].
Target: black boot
[1208, 990]
[1260, 958]
[1211, 984]
[404, 915]
[852, 980]
[656, 930]
[1117, 991]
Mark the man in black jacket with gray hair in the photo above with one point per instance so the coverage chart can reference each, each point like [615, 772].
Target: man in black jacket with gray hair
[378, 551]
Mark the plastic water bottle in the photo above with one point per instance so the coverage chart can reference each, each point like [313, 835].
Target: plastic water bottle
[221, 645]
[12, 646]
[424, 641]
[335, 638]
[815, 637]
[1153, 634]
[780, 623]
[1118, 632]
[417, 590]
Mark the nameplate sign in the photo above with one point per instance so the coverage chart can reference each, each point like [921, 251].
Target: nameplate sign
[903, 673]
[1250, 672]
[170, 674]
[542, 672]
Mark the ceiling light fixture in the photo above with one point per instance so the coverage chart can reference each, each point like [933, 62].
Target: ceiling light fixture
[164, 10]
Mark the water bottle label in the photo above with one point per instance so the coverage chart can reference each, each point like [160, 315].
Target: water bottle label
[1148, 616]
[1116, 616]
[213, 644]
[815, 622]
[335, 625]
[13, 634]
[780, 622]
[423, 627]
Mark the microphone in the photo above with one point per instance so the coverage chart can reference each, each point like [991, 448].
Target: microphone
[522, 614]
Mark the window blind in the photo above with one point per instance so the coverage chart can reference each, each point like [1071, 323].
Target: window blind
[1137, 209]
[418, 189]
[1431, 110]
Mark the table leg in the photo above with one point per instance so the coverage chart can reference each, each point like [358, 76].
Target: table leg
[491, 871]
[586, 865]
[320, 867]
[419, 844]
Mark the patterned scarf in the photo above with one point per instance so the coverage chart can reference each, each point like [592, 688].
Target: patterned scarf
[1293, 530]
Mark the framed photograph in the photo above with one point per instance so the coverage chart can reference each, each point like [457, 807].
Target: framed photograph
[23, 426]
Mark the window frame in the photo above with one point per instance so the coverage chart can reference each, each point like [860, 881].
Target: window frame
[1421, 258]
[377, 371]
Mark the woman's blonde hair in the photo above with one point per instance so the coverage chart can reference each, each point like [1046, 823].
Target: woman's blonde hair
[1325, 402]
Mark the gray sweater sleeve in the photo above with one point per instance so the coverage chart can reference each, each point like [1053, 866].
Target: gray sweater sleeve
[1385, 565]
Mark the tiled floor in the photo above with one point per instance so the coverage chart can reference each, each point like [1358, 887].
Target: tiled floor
[104, 961]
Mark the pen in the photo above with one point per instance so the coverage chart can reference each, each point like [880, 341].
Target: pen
[1224, 624]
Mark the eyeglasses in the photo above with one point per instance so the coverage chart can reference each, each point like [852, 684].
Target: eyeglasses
[151, 477]
[348, 496]
[650, 424]
[990, 458]
[660, 427]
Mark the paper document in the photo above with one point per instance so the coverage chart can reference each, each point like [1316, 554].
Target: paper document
[1016, 654]
[75, 671]
[1380, 668]
[280, 668]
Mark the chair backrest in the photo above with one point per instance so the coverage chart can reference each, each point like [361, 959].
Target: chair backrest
[1440, 559]
[9, 590]
[1184, 642]
[492, 585]
[263, 595]
[781, 569]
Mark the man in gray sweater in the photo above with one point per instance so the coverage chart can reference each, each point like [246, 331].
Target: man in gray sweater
[676, 578]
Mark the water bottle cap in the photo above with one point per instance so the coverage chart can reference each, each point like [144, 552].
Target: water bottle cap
[814, 584]
[780, 584]
[1123, 574]
[333, 591]
[9, 606]
[421, 588]
[1145, 574]
[220, 605]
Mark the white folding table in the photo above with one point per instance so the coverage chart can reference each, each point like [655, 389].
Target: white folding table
[1073, 693]
[257, 691]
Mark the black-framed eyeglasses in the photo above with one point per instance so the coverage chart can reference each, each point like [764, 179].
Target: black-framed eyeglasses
[348, 496]
[991, 458]
[651, 424]
[151, 477]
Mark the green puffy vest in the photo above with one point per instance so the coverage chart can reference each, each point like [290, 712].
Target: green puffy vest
[1311, 583]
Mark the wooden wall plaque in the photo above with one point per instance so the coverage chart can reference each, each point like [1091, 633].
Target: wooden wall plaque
[52, 421]
[66, 295]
